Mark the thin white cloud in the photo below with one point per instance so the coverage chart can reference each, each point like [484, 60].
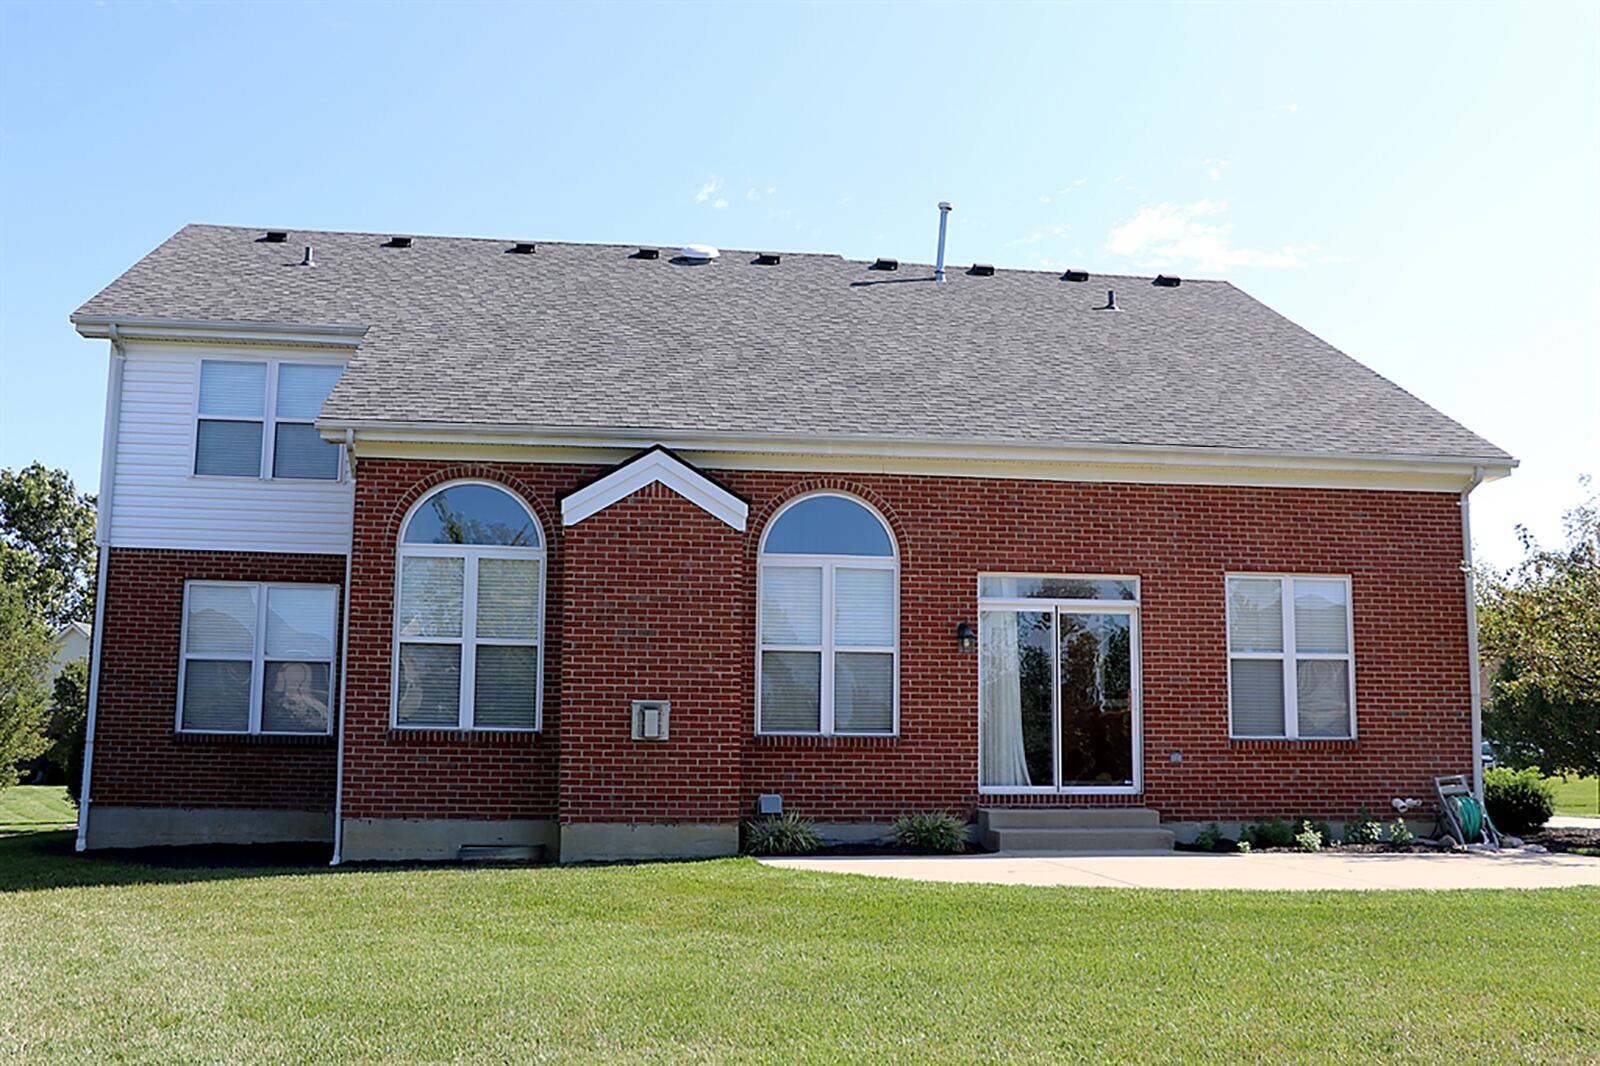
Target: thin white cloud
[720, 204]
[1168, 234]
[708, 190]
[1214, 168]
[1038, 235]
[1290, 108]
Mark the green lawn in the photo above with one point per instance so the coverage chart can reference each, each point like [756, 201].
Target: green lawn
[730, 961]
[1577, 795]
[25, 807]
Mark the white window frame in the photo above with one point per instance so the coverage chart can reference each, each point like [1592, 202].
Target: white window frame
[1036, 604]
[258, 659]
[1290, 653]
[470, 554]
[829, 565]
[269, 418]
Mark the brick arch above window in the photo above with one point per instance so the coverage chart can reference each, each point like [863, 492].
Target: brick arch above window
[760, 521]
[549, 522]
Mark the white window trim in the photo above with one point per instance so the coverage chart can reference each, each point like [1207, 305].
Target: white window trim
[257, 659]
[470, 554]
[269, 418]
[829, 565]
[1290, 653]
[1131, 608]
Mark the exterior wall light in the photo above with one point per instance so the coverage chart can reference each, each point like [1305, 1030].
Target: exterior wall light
[966, 638]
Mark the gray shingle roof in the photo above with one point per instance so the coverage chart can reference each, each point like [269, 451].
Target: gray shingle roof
[582, 335]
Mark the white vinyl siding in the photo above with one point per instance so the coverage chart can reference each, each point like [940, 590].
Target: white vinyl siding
[158, 500]
[257, 658]
[1291, 657]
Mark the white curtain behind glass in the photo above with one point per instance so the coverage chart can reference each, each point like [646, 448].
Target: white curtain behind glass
[1005, 759]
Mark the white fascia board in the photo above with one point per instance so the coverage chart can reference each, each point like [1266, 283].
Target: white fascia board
[183, 329]
[1066, 461]
[655, 466]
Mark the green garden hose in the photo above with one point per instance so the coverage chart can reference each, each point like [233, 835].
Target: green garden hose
[1470, 815]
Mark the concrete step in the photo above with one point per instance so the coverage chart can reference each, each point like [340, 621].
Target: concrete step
[1067, 818]
[1051, 841]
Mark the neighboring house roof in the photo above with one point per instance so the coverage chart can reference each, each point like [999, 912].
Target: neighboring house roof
[462, 331]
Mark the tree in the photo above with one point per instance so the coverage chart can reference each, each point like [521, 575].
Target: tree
[64, 726]
[1540, 631]
[47, 545]
[24, 661]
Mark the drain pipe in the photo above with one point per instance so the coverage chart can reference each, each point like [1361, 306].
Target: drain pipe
[102, 547]
[344, 664]
[944, 218]
[1474, 686]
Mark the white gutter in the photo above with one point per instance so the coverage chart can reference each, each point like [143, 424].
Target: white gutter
[344, 669]
[966, 448]
[1474, 686]
[102, 543]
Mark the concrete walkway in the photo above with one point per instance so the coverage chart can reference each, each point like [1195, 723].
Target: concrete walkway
[1276, 871]
[1573, 821]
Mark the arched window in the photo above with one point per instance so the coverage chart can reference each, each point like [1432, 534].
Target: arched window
[828, 624]
[469, 614]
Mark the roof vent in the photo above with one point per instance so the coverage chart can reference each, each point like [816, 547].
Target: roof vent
[1075, 275]
[767, 259]
[698, 253]
[308, 260]
[523, 248]
[1166, 282]
[982, 270]
[1111, 301]
[398, 242]
[885, 264]
[275, 236]
[646, 253]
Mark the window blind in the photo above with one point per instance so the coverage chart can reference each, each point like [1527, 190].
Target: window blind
[508, 599]
[431, 596]
[791, 691]
[863, 607]
[1258, 698]
[863, 692]
[1255, 607]
[791, 605]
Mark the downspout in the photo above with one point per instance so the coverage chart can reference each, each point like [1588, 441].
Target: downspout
[102, 546]
[1474, 685]
[344, 663]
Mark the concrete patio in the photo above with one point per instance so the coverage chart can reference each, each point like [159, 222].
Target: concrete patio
[1276, 871]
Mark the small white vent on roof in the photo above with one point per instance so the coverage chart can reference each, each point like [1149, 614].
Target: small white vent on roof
[703, 253]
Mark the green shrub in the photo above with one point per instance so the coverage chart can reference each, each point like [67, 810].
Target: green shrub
[1400, 833]
[932, 831]
[1518, 800]
[778, 834]
[1323, 830]
[1274, 834]
[1209, 837]
[1308, 839]
[1363, 829]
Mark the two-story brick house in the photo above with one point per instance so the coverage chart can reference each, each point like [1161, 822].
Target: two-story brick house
[422, 545]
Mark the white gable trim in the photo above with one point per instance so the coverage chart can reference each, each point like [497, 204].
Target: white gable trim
[655, 465]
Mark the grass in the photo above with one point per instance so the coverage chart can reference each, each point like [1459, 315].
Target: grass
[730, 961]
[33, 807]
[1577, 795]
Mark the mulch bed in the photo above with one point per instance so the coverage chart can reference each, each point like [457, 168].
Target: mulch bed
[1582, 841]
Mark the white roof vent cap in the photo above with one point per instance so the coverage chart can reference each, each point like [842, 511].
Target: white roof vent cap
[702, 253]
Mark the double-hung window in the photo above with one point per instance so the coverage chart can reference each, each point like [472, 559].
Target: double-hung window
[257, 658]
[255, 419]
[469, 612]
[828, 622]
[1291, 658]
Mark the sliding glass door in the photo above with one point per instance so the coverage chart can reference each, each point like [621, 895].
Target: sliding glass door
[1058, 679]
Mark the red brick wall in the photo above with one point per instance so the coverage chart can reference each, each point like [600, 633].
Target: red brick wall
[654, 609]
[393, 773]
[1401, 550]
[139, 757]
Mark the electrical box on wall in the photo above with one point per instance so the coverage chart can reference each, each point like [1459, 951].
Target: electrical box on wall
[650, 719]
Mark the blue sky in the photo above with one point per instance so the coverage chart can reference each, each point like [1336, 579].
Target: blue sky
[1415, 183]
